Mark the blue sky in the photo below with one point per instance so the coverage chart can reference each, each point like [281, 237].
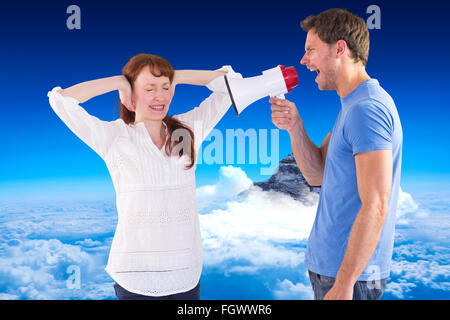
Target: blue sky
[42, 160]
[408, 57]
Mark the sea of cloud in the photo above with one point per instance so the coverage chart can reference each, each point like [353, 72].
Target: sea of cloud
[256, 236]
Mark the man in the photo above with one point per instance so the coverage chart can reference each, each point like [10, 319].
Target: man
[357, 166]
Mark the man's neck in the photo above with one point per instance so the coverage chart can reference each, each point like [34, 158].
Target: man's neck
[350, 80]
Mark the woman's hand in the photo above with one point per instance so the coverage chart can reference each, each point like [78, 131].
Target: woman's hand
[173, 85]
[124, 88]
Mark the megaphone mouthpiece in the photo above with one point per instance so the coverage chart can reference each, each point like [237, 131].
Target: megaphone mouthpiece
[290, 77]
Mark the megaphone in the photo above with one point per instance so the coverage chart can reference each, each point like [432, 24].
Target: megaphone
[273, 82]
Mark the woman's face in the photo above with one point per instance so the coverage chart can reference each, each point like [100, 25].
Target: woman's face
[151, 96]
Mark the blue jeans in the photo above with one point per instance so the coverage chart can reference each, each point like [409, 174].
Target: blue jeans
[123, 294]
[363, 290]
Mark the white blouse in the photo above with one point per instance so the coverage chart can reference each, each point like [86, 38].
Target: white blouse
[157, 246]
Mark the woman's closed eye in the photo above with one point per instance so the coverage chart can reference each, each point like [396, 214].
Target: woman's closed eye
[149, 90]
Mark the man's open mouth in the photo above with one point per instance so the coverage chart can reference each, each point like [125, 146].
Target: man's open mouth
[314, 69]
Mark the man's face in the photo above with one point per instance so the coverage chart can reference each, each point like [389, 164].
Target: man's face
[319, 57]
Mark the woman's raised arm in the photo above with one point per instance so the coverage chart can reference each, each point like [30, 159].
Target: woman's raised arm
[196, 77]
[97, 134]
[89, 89]
[203, 118]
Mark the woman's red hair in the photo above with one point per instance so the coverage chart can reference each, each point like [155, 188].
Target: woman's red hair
[158, 67]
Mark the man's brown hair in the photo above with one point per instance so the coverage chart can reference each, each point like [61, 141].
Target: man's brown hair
[339, 24]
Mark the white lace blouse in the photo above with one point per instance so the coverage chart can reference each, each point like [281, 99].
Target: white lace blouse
[157, 247]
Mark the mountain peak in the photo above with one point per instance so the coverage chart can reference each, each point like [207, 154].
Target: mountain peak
[289, 180]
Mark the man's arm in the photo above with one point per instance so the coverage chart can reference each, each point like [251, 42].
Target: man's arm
[374, 178]
[310, 158]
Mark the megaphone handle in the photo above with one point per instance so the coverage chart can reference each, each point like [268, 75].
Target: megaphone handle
[281, 96]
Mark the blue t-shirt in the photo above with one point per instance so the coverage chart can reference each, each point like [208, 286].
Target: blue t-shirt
[367, 121]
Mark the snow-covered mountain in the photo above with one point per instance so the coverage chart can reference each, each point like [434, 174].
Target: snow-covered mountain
[287, 179]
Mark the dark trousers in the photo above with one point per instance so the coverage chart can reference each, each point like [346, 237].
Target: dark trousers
[123, 294]
[363, 290]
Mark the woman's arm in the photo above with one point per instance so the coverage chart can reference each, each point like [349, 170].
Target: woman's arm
[97, 134]
[89, 89]
[196, 77]
[203, 118]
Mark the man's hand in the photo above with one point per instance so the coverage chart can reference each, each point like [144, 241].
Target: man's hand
[374, 178]
[284, 114]
[310, 159]
[338, 292]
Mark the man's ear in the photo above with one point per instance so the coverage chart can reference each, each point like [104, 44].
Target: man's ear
[341, 48]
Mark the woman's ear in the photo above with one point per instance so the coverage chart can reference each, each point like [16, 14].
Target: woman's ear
[126, 97]
[131, 105]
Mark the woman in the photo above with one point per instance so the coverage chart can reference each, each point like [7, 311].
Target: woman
[156, 252]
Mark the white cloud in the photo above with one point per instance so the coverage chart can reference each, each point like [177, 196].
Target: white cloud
[259, 230]
[399, 289]
[424, 264]
[36, 269]
[267, 230]
[62, 220]
[263, 215]
[407, 208]
[89, 243]
[253, 234]
[232, 181]
[39, 242]
[286, 290]
[421, 248]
